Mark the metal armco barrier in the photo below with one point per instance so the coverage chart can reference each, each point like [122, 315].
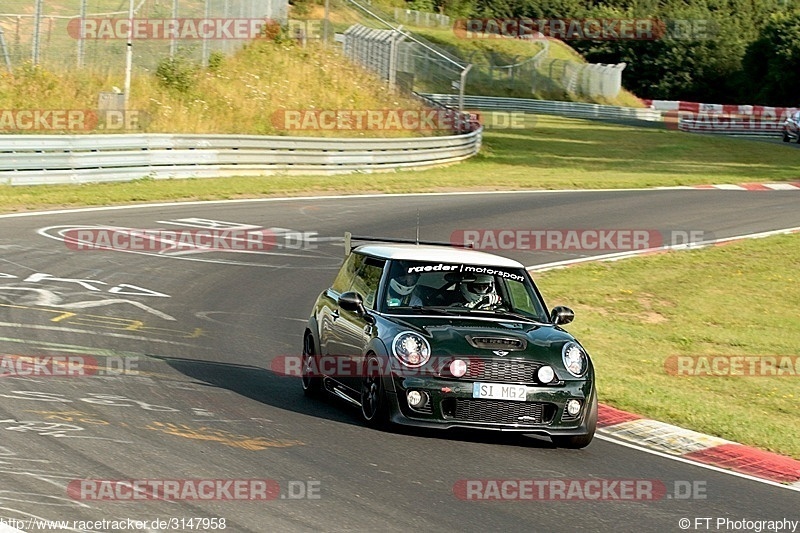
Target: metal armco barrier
[548, 107]
[53, 159]
[728, 126]
[712, 120]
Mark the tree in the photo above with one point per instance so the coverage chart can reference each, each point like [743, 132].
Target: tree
[771, 66]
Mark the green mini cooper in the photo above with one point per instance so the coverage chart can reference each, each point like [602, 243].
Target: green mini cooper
[446, 337]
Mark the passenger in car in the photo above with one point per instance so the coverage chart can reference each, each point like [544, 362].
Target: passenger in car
[401, 291]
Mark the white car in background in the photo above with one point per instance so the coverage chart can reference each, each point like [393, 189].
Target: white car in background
[791, 128]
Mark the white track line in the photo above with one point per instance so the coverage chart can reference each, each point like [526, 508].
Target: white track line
[616, 256]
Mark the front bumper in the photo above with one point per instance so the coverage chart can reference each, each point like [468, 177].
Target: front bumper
[452, 405]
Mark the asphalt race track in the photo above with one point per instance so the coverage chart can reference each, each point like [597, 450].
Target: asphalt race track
[182, 346]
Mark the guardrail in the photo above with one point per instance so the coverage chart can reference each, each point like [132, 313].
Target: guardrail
[725, 119]
[753, 125]
[53, 159]
[548, 107]
[731, 126]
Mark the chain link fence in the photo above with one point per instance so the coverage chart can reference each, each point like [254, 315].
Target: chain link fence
[406, 60]
[421, 18]
[543, 76]
[93, 34]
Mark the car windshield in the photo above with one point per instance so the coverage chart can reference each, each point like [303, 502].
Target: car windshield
[461, 289]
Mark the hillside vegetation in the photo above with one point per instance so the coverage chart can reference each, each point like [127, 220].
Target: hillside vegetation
[721, 51]
[239, 94]
[488, 78]
[501, 66]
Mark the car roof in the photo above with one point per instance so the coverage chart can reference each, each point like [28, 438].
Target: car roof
[432, 253]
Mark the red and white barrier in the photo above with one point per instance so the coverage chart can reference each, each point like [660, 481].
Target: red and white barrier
[730, 124]
[763, 113]
[731, 119]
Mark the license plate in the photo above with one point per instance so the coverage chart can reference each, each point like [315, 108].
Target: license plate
[499, 391]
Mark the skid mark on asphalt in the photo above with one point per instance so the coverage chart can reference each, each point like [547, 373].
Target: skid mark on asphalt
[205, 433]
[19, 325]
[204, 315]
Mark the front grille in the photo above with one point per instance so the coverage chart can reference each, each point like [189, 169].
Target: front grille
[497, 370]
[498, 411]
[502, 370]
[497, 343]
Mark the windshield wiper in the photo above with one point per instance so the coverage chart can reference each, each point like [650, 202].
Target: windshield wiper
[446, 311]
[512, 314]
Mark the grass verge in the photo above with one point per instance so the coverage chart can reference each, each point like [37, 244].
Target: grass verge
[735, 300]
[552, 153]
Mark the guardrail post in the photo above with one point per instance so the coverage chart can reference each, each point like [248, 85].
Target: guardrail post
[461, 88]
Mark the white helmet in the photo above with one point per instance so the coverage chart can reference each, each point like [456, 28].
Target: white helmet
[478, 287]
[404, 284]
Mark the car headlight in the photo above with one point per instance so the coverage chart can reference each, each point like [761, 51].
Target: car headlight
[411, 349]
[575, 359]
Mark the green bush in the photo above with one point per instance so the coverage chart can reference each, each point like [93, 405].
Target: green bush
[215, 61]
[178, 73]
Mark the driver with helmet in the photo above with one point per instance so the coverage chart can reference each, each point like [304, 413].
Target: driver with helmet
[479, 292]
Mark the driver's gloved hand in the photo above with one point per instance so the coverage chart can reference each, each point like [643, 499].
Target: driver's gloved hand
[486, 301]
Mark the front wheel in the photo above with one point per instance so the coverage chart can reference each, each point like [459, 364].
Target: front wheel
[312, 383]
[374, 405]
[580, 441]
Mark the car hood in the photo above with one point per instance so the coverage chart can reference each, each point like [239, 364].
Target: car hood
[469, 336]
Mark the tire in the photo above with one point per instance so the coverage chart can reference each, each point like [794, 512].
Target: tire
[312, 384]
[374, 405]
[786, 138]
[580, 441]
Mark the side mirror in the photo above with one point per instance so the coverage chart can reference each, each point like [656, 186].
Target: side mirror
[561, 315]
[353, 302]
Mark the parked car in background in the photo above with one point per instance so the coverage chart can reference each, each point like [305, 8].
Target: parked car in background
[791, 128]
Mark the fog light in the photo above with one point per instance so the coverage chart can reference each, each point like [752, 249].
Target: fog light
[546, 374]
[458, 368]
[573, 407]
[416, 398]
